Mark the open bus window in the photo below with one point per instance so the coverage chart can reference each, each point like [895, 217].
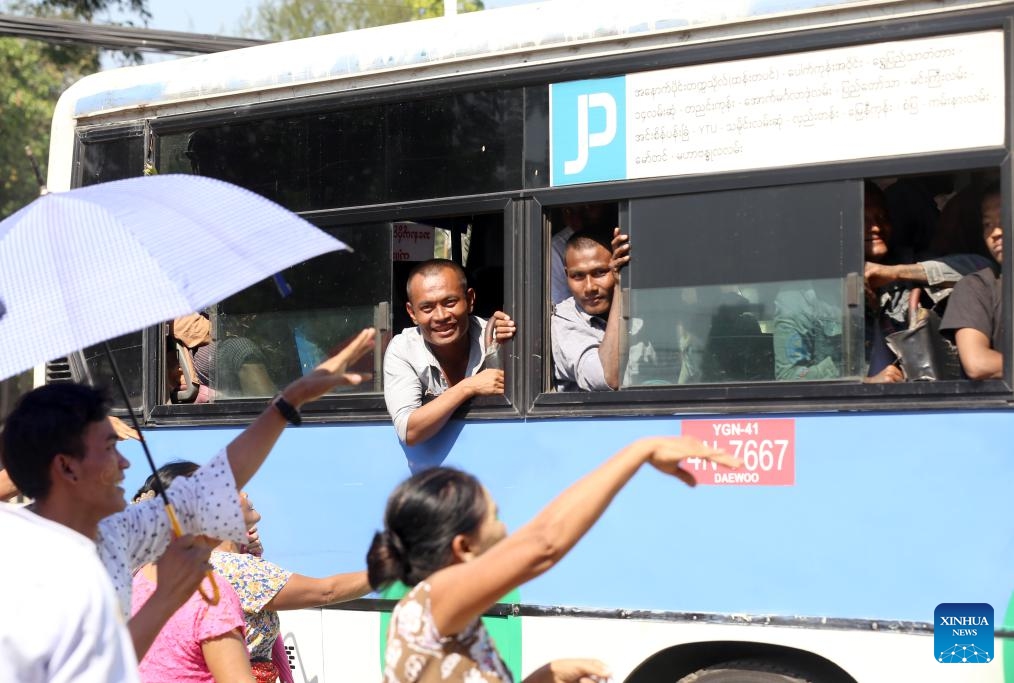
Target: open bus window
[474, 241]
[261, 340]
[258, 341]
[924, 235]
[743, 286]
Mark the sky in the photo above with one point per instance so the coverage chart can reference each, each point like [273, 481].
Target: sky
[223, 16]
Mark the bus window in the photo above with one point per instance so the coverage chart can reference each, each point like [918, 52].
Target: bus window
[452, 145]
[104, 158]
[262, 340]
[922, 236]
[475, 241]
[743, 286]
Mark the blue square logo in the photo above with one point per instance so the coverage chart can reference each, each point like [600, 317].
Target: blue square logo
[588, 137]
[963, 633]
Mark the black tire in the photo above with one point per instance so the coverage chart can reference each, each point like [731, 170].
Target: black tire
[748, 671]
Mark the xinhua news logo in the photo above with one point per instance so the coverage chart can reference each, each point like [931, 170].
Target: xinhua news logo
[963, 633]
[588, 131]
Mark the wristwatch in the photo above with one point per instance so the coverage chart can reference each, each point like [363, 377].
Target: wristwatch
[288, 411]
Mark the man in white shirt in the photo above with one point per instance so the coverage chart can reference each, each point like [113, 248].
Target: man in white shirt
[61, 622]
[59, 448]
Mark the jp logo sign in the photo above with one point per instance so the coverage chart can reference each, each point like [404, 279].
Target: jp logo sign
[963, 633]
[588, 131]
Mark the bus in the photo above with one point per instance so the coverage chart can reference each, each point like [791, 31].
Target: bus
[735, 143]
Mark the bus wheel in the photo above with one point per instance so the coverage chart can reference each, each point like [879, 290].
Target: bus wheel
[748, 671]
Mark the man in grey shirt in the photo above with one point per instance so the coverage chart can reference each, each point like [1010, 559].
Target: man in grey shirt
[586, 327]
[431, 369]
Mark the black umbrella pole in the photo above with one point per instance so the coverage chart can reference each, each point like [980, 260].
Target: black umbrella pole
[159, 489]
[157, 483]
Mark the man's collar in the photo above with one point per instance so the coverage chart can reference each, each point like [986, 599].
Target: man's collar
[586, 316]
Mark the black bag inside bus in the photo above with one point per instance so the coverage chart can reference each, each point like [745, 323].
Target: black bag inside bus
[925, 354]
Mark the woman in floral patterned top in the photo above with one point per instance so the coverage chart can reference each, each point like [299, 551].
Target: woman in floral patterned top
[442, 535]
[264, 587]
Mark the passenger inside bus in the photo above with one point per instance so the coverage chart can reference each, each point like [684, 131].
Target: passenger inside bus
[808, 321]
[432, 369]
[575, 218]
[974, 317]
[587, 326]
[232, 367]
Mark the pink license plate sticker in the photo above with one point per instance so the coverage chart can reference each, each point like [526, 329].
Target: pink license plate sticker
[766, 447]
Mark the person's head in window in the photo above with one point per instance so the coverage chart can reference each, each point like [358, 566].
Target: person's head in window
[992, 225]
[590, 275]
[440, 301]
[876, 223]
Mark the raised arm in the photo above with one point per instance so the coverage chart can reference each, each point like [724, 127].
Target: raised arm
[461, 592]
[300, 591]
[248, 450]
[610, 350]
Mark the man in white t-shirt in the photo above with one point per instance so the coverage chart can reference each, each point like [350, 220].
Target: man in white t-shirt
[61, 621]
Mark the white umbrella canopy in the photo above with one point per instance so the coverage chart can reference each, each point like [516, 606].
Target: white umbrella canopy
[84, 266]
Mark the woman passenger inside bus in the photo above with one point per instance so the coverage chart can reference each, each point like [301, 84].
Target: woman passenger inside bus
[442, 535]
[263, 587]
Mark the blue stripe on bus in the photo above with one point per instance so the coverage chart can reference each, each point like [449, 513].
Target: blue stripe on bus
[890, 514]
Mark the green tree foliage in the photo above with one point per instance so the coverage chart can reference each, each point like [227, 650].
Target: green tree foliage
[83, 9]
[291, 19]
[32, 76]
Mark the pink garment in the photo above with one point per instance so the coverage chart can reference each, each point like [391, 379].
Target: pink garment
[176, 655]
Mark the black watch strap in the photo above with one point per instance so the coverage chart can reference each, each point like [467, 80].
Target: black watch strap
[288, 411]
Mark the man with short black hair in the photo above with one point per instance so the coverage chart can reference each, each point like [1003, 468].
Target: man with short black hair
[586, 326]
[431, 369]
[974, 315]
[59, 447]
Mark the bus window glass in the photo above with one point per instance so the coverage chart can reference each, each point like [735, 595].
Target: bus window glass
[460, 144]
[262, 340]
[104, 161]
[107, 160]
[743, 286]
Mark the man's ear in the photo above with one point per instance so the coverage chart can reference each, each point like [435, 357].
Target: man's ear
[411, 313]
[470, 298]
[461, 548]
[64, 468]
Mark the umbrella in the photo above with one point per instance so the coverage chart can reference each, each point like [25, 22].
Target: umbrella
[87, 265]
[81, 267]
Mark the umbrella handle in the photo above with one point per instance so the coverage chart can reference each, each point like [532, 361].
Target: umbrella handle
[177, 532]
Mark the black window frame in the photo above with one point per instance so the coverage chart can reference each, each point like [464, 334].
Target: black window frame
[371, 407]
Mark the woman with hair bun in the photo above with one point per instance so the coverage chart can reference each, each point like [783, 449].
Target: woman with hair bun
[442, 535]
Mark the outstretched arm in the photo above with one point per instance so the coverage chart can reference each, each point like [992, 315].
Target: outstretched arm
[248, 450]
[461, 592]
[300, 591]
